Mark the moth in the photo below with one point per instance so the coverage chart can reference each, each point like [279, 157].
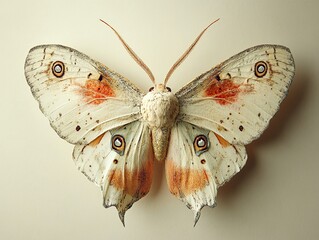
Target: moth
[119, 131]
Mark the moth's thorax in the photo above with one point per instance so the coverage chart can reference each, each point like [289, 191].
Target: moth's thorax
[159, 107]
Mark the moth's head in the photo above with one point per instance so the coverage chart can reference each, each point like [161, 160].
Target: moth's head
[160, 88]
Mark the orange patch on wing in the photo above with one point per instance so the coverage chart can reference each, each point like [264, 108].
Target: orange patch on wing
[96, 141]
[136, 183]
[96, 91]
[224, 92]
[222, 141]
[184, 181]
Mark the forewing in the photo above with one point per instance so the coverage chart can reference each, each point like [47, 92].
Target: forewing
[238, 98]
[81, 97]
[123, 171]
[198, 162]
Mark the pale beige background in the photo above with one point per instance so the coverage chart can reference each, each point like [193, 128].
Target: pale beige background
[43, 196]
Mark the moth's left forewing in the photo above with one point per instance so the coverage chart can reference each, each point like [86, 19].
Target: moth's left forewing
[83, 98]
[238, 98]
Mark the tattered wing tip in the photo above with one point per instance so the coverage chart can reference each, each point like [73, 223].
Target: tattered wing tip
[121, 216]
[121, 213]
[196, 217]
[197, 212]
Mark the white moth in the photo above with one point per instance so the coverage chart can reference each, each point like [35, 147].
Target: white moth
[118, 131]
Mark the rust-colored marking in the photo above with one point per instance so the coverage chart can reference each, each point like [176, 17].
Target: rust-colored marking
[136, 183]
[95, 91]
[96, 141]
[222, 141]
[184, 181]
[145, 177]
[224, 92]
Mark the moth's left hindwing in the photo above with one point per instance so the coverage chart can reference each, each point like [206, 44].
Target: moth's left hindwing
[98, 110]
[120, 161]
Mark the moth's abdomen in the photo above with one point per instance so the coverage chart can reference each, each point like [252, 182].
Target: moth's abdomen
[159, 109]
[160, 140]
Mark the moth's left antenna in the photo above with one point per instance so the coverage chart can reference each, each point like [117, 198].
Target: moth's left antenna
[132, 53]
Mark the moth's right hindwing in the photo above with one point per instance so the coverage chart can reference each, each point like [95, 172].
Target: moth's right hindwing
[198, 162]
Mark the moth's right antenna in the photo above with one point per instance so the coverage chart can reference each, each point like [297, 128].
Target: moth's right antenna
[132, 53]
[183, 57]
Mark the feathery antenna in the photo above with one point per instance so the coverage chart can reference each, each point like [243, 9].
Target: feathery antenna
[132, 53]
[186, 53]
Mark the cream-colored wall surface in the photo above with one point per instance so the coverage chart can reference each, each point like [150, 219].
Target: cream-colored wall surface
[275, 196]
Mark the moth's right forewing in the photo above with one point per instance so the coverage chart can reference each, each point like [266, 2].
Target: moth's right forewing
[238, 98]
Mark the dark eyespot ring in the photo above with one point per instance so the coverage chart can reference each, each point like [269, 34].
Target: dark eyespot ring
[58, 69]
[169, 89]
[261, 69]
[201, 144]
[118, 144]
